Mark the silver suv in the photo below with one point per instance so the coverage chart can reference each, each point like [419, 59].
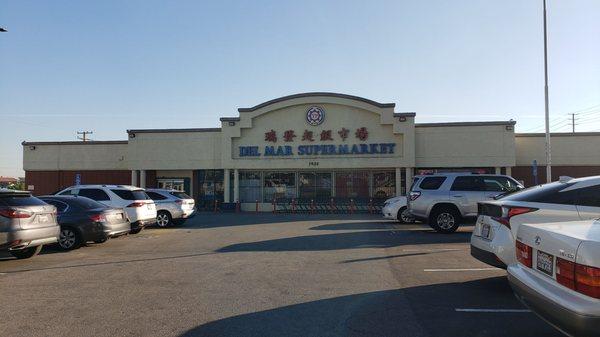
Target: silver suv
[172, 207]
[26, 223]
[445, 199]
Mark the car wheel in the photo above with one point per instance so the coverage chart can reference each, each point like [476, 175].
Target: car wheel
[404, 215]
[101, 240]
[136, 230]
[26, 253]
[163, 219]
[69, 239]
[445, 220]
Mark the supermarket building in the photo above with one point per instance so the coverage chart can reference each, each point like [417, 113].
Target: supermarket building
[311, 146]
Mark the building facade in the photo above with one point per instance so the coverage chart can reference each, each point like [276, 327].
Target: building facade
[305, 148]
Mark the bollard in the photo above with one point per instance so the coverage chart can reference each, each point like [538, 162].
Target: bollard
[238, 207]
[332, 205]
[370, 206]
[256, 206]
[312, 206]
[216, 206]
[274, 201]
[351, 206]
[293, 206]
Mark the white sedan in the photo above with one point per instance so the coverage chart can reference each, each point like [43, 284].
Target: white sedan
[569, 199]
[395, 208]
[558, 274]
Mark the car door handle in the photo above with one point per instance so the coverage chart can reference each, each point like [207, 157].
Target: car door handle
[458, 196]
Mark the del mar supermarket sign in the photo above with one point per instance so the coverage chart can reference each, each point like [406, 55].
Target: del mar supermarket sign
[317, 150]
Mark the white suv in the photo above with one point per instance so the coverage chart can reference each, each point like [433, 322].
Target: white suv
[569, 199]
[140, 209]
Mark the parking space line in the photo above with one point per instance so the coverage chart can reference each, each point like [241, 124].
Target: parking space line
[433, 250]
[493, 310]
[460, 269]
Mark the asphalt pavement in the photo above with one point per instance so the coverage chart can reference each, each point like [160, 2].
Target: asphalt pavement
[265, 275]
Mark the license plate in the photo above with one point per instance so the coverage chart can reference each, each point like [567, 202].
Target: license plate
[149, 206]
[545, 263]
[43, 218]
[485, 231]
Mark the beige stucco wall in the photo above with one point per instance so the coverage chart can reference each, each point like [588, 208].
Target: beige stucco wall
[339, 113]
[75, 157]
[464, 146]
[571, 150]
[175, 151]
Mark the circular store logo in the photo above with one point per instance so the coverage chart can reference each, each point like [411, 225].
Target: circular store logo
[315, 115]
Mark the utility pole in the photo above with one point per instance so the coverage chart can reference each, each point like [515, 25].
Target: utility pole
[84, 135]
[573, 120]
[547, 109]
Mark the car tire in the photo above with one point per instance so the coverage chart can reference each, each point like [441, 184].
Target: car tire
[101, 240]
[163, 219]
[404, 215]
[69, 239]
[136, 230]
[445, 219]
[26, 253]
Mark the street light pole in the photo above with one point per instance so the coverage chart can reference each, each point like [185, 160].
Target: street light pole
[547, 110]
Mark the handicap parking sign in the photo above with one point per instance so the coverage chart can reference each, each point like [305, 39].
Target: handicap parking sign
[77, 179]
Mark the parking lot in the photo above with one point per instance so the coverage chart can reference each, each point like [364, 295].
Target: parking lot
[265, 275]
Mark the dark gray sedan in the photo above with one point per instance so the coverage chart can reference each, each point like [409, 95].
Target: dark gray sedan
[82, 219]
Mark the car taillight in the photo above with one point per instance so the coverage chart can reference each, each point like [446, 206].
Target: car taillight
[179, 201]
[587, 280]
[414, 195]
[524, 254]
[582, 279]
[98, 217]
[15, 213]
[136, 204]
[565, 273]
[509, 212]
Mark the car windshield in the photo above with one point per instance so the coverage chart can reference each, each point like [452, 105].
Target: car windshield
[131, 195]
[181, 195]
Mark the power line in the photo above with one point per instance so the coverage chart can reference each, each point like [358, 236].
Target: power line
[573, 121]
[84, 133]
[584, 115]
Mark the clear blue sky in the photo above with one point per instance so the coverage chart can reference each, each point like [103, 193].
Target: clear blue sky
[108, 66]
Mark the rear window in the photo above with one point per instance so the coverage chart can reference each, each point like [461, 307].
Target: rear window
[549, 193]
[131, 195]
[156, 196]
[432, 183]
[181, 195]
[20, 200]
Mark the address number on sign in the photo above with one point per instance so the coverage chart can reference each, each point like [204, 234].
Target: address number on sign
[313, 163]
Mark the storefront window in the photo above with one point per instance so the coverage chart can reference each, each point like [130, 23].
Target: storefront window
[479, 170]
[353, 184]
[315, 185]
[384, 184]
[210, 188]
[171, 184]
[250, 186]
[279, 185]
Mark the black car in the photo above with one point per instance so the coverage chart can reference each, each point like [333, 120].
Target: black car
[82, 219]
